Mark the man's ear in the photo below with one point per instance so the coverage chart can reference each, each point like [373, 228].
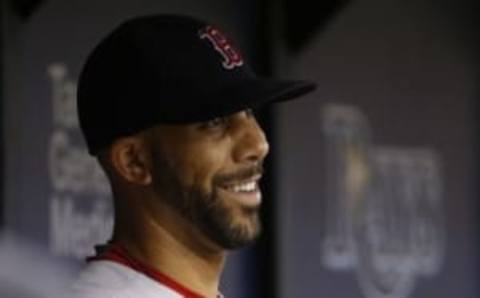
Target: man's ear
[130, 160]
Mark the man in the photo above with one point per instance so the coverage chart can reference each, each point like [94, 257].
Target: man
[164, 103]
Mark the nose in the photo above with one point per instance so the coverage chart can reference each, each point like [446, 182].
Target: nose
[251, 143]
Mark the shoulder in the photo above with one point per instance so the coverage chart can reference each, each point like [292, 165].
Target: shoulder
[107, 279]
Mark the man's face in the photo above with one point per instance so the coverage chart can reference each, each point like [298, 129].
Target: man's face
[209, 173]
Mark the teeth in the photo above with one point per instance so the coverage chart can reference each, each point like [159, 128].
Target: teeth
[249, 186]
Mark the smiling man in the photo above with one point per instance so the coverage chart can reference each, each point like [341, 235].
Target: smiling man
[165, 104]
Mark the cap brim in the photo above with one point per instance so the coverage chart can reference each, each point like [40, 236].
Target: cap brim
[252, 93]
[263, 91]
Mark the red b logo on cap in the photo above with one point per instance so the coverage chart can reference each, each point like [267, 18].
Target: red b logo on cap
[232, 58]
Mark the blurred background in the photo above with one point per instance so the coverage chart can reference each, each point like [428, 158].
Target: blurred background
[371, 189]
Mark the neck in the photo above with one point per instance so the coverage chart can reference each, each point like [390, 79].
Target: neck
[173, 247]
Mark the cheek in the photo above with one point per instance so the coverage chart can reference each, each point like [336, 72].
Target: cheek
[201, 166]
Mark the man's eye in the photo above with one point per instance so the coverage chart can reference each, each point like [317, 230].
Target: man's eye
[214, 123]
[251, 113]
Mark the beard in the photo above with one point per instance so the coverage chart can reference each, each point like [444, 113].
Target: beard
[208, 211]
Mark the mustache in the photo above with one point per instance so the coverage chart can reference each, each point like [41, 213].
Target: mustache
[242, 174]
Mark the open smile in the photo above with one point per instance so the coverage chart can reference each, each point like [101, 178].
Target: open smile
[247, 192]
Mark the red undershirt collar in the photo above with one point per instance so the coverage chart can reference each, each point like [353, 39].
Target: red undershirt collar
[119, 254]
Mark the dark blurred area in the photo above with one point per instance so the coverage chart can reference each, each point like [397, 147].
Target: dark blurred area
[24, 8]
[304, 19]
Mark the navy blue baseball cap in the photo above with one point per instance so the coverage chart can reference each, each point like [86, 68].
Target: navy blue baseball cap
[168, 69]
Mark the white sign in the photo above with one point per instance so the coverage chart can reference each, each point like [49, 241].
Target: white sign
[80, 208]
[384, 209]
